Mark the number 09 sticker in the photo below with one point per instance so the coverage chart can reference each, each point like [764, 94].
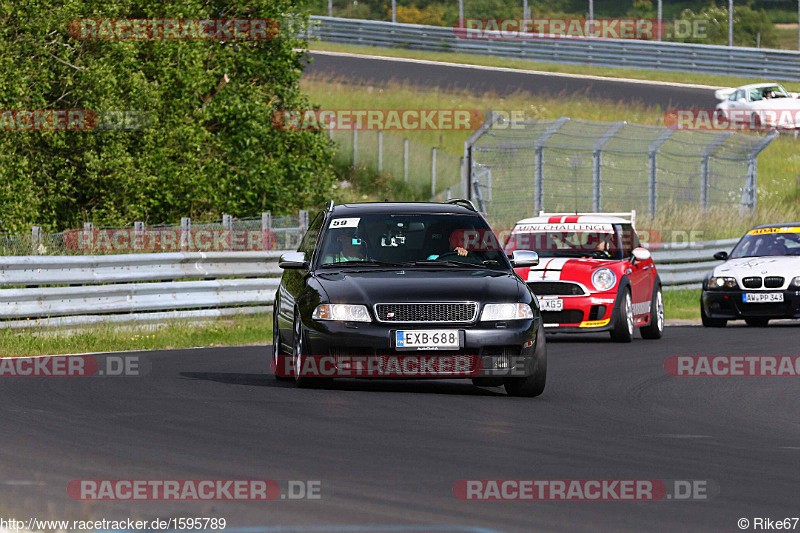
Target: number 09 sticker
[337, 223]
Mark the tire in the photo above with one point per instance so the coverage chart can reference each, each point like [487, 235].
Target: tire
[655, 329]
[533, 385]
[757, 322]
[623, 321]
[298, 354]
[711, 322]
[276, 347]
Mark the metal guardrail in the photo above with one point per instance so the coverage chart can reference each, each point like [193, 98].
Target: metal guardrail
[684, 265]
[69, 291]
[47, 291]
[621, 53]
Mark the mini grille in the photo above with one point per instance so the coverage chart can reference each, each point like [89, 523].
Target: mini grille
[567, 316]
[773, 282]
[460, 312]
[752, 283]
[551, 288]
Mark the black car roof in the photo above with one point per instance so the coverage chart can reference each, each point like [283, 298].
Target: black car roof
[400, 207]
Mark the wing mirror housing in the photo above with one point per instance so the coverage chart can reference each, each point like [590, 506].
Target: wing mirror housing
[641, 254]
[524, 258]
[293, 260]
[722, 256]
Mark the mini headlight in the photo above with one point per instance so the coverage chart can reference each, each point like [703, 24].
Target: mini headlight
[722, 282]
[506, 312]
[343, 312]
[604, 279]
[795, 284]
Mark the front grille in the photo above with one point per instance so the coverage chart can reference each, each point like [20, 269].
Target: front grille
[393, 361]
[752, 282]
[555, 288]
[567, 316]
[773, 282]
[427, 312]
[765, 309]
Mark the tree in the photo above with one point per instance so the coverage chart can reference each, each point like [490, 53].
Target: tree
[749, 26]
[210, 146]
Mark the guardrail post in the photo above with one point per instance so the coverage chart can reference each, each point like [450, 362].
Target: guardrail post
[705, 171]
[433, 171]
[405, 160]
[87, 236]
[303, 216]
[380, 151]
[267, 236]
[652, 170]
[538, 162]
[597, 155]
[186, 233]
[138, 236]
[36, 239]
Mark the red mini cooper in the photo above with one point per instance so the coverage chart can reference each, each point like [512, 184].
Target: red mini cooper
[593, 275]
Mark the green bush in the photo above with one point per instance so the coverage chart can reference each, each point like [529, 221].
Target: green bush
[211, 147]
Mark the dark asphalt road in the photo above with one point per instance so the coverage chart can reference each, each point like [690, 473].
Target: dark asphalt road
[388, 453]
[355, 69]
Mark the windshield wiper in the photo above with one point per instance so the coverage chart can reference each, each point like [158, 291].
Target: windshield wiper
[365, 262]
[442, 262]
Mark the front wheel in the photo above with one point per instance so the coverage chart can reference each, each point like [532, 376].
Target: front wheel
[299, 355]
[623, 322]
[655, 329]
[278, 357]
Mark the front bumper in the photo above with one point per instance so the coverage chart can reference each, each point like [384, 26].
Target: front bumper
[730, 305]
[505, 348]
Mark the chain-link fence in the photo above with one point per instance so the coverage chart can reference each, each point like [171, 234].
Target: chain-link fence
[427, 169]
[267, 232]
[518, 169]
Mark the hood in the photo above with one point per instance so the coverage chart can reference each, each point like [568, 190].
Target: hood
[397, 286]
[777, 103]
[562, 268]
[784, 266]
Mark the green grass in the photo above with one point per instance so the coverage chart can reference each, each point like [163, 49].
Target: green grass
[787, 36]
[229, 331]
[682, 304]
[636, 74]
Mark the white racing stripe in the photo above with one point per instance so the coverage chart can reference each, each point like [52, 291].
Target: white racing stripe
[506, 69]
[549, 269]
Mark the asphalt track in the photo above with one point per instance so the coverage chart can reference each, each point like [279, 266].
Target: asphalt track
[504, 82]
[388, 453]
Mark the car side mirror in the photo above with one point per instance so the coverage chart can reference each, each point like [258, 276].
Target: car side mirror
[524, 258]
[293, 260]
[641, 254]
[722, 256]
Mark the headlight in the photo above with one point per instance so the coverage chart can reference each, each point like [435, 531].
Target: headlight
[344, 312]
[604, 279]
[506, 312]
[795, 284]
[722, 282]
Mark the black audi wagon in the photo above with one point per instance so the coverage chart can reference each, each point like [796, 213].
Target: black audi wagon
[407, 290]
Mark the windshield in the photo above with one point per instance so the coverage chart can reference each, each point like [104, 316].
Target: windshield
[772, 91]
[600, 241]
[437, 239]
[768, 242]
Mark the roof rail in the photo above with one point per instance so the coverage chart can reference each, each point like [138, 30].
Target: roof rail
[627, 214]
[463, 203]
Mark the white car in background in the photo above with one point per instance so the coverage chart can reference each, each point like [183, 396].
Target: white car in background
[759, 280]
[760, 106]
